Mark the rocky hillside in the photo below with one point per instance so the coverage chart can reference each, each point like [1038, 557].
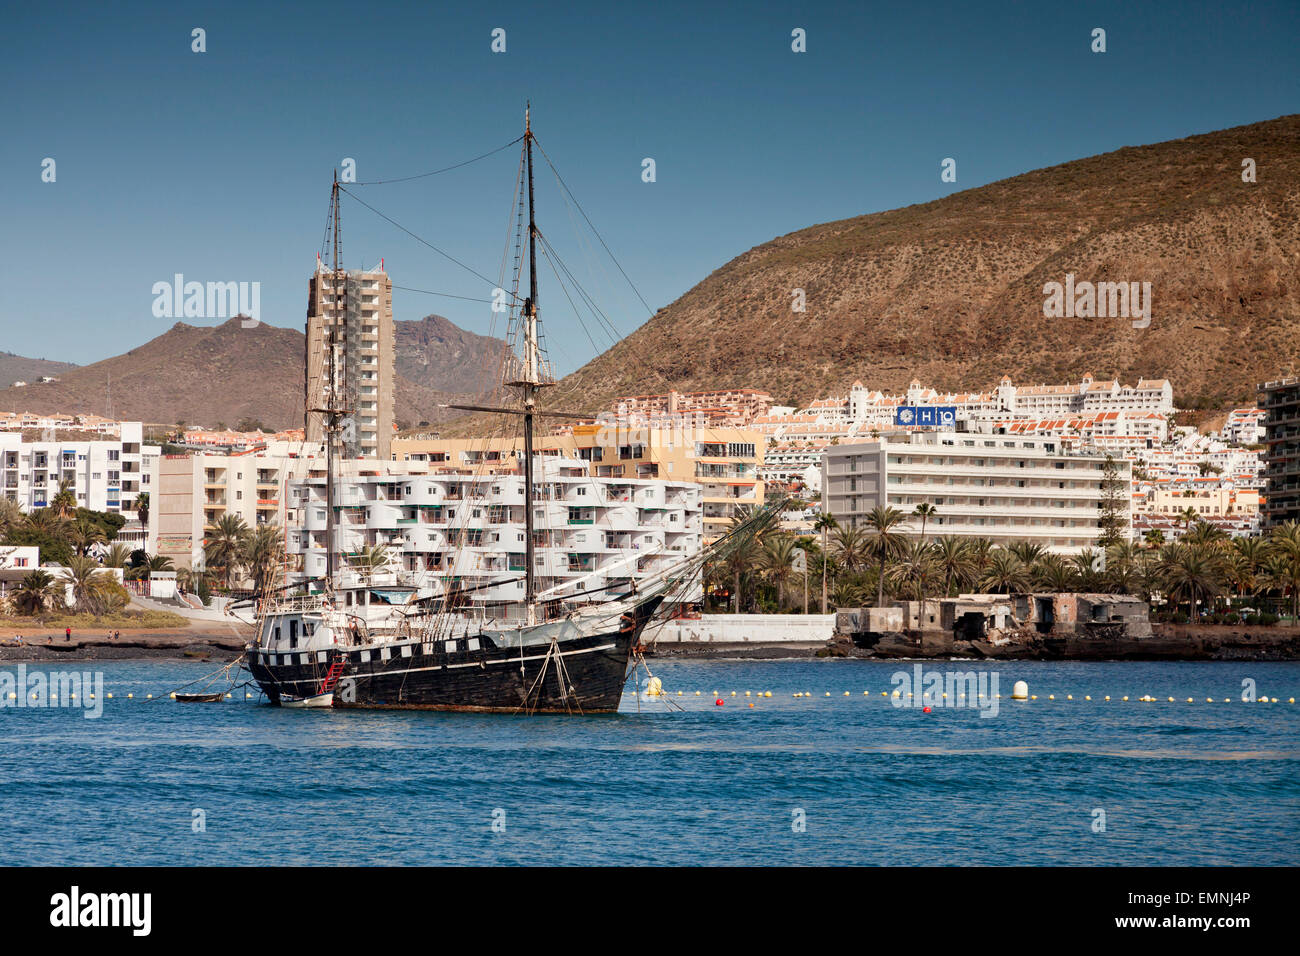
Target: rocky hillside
[952, 291]
[17, 368]
[211, 374]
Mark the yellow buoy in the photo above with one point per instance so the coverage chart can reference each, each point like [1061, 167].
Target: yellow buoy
[1189, 700]
[1108, 696]
[1020, 691]
[130, 696]
[109, 696]
[1086, 697]
[747, 693]
[172, 695]
[846, 693]
[767, 693]
[1124, 698]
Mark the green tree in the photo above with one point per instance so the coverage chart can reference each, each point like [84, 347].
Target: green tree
[37, 591]
[223, 546]
[924, 511]
[1114, 505]
[824, 524]
[1005, 573]
[263, 554]
[886, 538]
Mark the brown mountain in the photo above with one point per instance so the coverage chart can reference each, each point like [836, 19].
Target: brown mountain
[436, 353]
[211, 374]
[952, 291]
[17, 368]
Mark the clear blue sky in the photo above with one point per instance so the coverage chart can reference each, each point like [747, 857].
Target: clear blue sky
[217, 165]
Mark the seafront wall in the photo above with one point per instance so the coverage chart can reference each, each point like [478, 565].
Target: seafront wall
[744, 629]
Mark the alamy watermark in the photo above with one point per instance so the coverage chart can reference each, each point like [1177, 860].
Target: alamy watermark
[920, 688]
[71, 689]
[1102, 300]
[213, 300]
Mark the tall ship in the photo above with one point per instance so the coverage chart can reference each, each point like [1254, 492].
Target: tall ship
[381, 636]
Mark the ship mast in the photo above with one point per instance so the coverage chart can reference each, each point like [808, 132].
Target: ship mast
[331, 410]
[529, 383]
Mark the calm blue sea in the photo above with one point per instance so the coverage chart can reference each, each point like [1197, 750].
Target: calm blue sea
[814, 780]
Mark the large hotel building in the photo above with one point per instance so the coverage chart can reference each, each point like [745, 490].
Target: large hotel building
[366, 353]
[1280, 401]
[1004, 489]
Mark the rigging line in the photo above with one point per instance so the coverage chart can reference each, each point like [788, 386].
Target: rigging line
[596, 311]
[445, 169]
[418, 239]
[446, 295]
[565, 289]
[649, 311]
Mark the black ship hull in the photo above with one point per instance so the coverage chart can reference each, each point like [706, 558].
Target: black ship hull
[578, 675]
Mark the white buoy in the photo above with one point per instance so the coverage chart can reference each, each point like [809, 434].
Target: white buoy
[1020, 691]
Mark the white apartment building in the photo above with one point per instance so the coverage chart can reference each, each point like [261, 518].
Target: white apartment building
[593, 532]
[194, 491]
[105, 475]
[1004, 489]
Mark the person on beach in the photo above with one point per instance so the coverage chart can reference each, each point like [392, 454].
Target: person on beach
[67, 633]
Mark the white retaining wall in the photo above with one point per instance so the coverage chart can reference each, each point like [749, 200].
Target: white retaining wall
[745, 629]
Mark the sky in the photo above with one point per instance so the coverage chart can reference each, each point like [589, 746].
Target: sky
[217, 164]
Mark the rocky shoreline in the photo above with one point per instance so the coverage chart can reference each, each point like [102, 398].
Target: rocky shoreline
[200, 642]
[1169, 642]
[1172, 642]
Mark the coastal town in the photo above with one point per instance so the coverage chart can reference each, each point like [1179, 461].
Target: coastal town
[1090, 486]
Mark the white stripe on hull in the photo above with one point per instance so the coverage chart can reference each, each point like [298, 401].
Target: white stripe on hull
[415, 670]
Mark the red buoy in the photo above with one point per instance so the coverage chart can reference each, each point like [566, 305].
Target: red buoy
[718, 701]
[925, 710]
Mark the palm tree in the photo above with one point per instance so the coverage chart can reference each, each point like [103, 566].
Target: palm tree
[1285, 543]
[953, 557]
[263, 553]
[89, 584]
[980, 551]
[142, 507]
[846, 594]
[1154, 537]
[1187, 516]
[370, 558]
[47, 521]
[1027, 551]
[884, 542]
[84, 533]
[924, 511]
[913, 567]
[224, 545]
[1190, 573]
[1052, 572]
[1204, 535]
[778, 561]
[850, 548]
[36, 591]
[11, 517]
[118, 555]
[64, 502]
[824, 524]
[1004, 574]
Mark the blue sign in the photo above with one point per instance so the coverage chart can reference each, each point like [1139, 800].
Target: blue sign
[927, 416]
